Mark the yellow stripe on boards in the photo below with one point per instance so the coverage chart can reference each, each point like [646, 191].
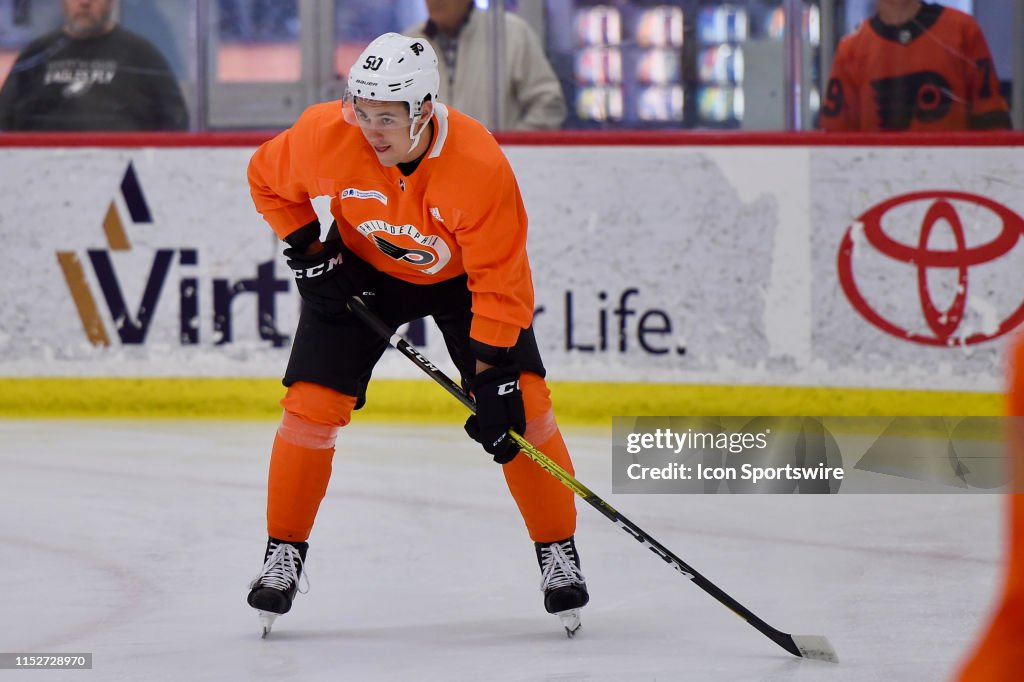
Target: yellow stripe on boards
[590, 403]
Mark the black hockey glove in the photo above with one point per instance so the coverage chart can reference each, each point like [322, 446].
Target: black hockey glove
[499, 407]
[323, 282]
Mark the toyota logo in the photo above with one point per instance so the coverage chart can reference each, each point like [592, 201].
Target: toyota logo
[876, 269]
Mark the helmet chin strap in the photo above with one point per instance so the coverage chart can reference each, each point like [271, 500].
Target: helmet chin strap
[414, 134]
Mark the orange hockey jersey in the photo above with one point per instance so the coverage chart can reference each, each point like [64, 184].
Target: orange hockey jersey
[459, 212]
[932, 73]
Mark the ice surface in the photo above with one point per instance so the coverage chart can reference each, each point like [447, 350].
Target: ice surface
[136, 541]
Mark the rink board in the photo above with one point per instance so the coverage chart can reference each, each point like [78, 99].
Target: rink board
[713, 271]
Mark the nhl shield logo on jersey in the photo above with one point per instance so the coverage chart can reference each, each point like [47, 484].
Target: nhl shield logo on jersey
[405, 243]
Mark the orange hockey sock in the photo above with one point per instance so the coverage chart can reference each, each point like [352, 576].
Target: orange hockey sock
[547, 506]
[296, 485]
[300, 462]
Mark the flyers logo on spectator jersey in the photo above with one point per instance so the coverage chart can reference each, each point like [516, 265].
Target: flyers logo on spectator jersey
[427, 253]
[924, 96]
[132, 326]
[353, 193]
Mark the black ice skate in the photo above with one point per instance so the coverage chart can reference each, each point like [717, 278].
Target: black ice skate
[275, 587]
[563, 584]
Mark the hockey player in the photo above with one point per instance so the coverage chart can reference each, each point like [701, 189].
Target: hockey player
[428, 220]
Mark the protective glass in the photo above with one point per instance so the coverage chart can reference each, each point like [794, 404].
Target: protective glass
[372, 116]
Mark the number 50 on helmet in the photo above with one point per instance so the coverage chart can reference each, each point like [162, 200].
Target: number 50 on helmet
[394, 68]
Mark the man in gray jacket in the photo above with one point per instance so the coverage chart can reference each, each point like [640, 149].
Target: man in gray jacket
[532, 96]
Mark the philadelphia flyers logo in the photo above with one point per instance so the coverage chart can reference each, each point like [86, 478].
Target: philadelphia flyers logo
[414, 256]
[923, 96]
[405, 244]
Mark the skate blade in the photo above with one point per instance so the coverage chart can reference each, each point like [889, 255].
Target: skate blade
[570, 621]
[267, 621]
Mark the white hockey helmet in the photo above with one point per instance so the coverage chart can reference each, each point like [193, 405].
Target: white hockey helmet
[395, 68]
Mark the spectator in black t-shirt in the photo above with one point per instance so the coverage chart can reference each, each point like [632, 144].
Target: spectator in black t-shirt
[91, 75]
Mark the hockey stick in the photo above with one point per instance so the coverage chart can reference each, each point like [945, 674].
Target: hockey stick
[806, 646]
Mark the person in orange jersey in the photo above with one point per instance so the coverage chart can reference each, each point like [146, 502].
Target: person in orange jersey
[999, 656]
[914, 66]
[428, 221]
